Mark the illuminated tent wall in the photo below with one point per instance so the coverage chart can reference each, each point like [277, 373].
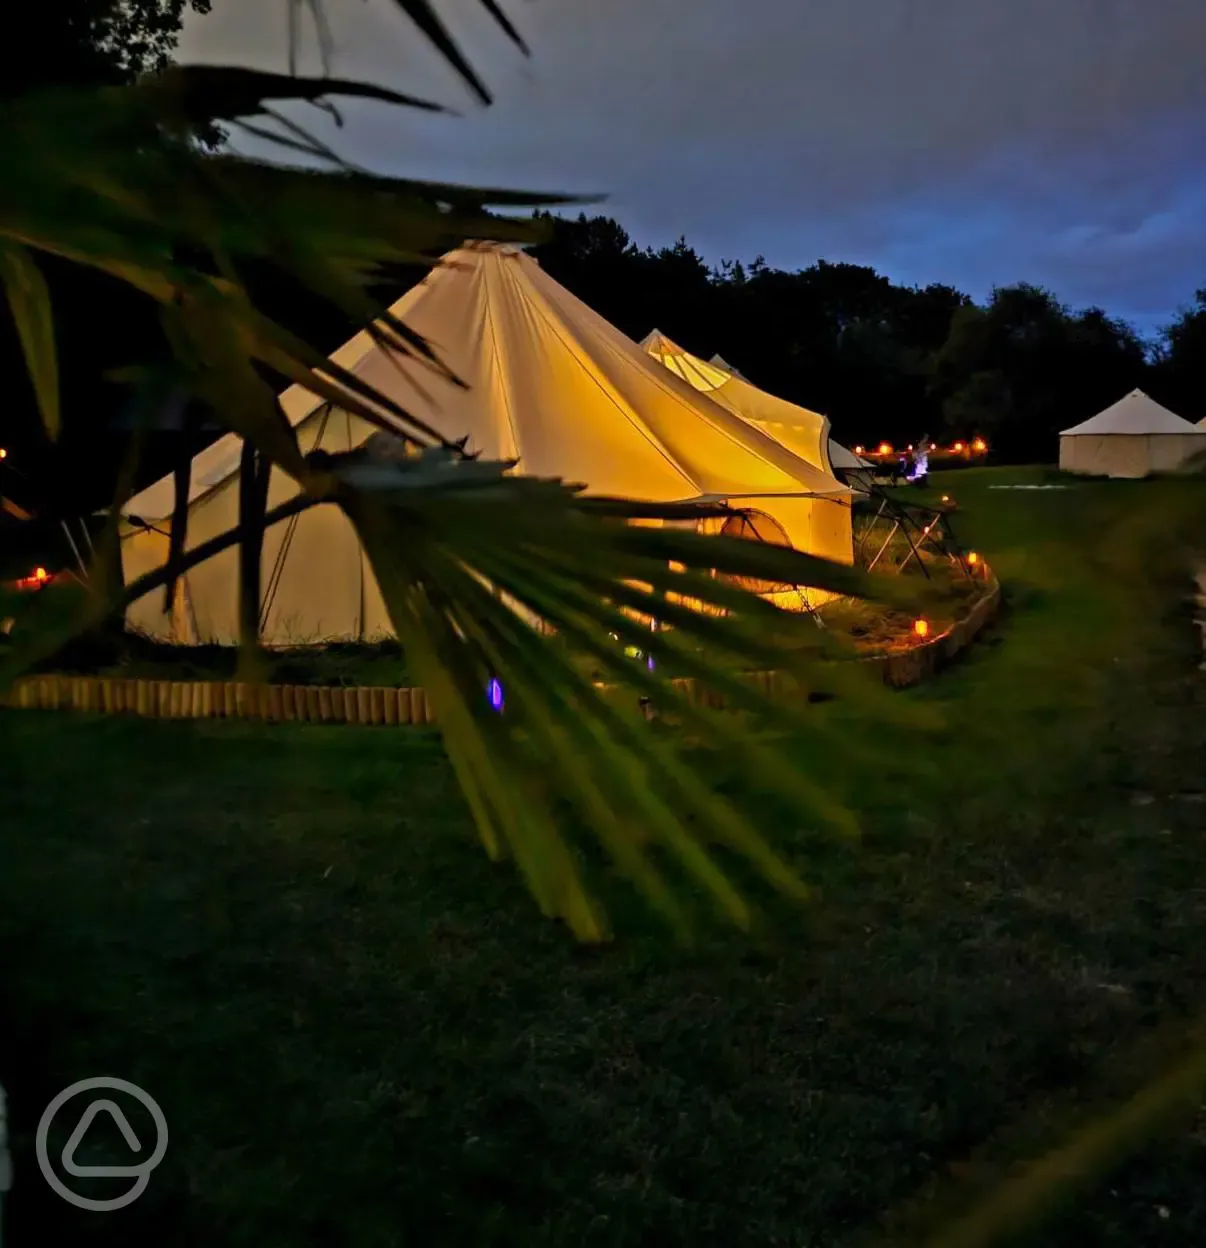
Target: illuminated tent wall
[840, 459]
[550, 384]
[803, 432]
[1132, 438]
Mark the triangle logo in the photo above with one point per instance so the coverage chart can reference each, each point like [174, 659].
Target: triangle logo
[127, 1132]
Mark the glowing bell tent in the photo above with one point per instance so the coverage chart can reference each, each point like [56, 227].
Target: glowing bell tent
[550, 384]
[1131, 438]
[801, 431]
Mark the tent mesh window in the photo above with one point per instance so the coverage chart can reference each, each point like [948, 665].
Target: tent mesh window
[754, 526]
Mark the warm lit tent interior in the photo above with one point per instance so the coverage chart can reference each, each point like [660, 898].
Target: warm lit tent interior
[549, 383]
[800, 430]
[850, 467]
[1132, 438]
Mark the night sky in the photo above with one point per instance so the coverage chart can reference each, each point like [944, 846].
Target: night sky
[965, 141]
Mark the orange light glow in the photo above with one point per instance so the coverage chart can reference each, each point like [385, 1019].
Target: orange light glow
[972, 558]
[858, 450]
[958, 448]
[946, 498]
[40, 574]
[910, 446]
[921, 628]
[3, 453]
[979, 446]
[885, 448]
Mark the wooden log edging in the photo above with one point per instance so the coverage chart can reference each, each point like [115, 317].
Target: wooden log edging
[357, 704]
[206, 699]
[908, 667]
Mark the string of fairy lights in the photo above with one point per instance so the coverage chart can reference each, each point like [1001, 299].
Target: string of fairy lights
[967, 450]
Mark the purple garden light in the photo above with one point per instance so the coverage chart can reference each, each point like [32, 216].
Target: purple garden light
[494, 691]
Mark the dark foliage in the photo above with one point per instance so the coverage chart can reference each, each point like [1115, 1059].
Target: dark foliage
[90, 42]
[100, 324]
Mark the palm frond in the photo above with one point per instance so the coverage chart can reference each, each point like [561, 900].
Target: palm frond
[423, 14]
[468, 556]
[182, 473]
[186, 97]
[29, 301]
[1019, 1205]
[90, 182]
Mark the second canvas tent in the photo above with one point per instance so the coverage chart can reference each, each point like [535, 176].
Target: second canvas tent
[804, 432]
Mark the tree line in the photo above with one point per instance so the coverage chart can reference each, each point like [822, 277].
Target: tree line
[885, 361]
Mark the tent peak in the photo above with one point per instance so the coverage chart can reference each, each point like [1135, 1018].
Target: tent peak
[1135, 414]
[485, 244]
[656, 343]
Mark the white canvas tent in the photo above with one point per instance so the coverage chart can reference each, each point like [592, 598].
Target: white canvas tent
[1131, 438]
[720, 362]
[800, 430]
[550, 384]
[847, 461]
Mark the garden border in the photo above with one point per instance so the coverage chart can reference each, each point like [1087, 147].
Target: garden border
[364, 705]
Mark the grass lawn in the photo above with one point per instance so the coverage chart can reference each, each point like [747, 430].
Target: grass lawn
[360, 1032]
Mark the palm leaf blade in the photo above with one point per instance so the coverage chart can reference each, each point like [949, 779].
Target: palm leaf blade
[29, 301]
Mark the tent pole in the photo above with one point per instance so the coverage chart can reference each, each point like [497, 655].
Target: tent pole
[891, 535]
[75, 550]
[902, 524]
[883, 502]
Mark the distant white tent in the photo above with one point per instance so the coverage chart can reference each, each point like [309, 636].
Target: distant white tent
[847, 461]
[800, 430]
[1131, 438]
[550, 384]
